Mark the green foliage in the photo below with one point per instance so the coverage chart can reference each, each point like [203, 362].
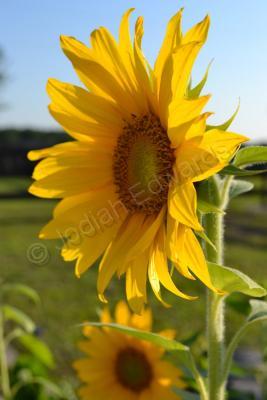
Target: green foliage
[18, 317]
[246, 157]
[30, 379]
[20, 289]
[251, 155]
[204, 207]
[233, 170]
[231, 280]
[26, 380]
[195, 92]
[239, 187]
[226, 124]
[38, 348]
[185, 395]
[258, 311]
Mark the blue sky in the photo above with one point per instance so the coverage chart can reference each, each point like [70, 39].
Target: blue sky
[29, 32]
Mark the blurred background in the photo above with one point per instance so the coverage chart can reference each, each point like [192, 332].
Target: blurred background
[29, 54]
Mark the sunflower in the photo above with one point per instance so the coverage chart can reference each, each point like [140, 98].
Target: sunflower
[121, 367]
[141, 143]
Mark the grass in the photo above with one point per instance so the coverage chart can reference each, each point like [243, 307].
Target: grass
[67, 301]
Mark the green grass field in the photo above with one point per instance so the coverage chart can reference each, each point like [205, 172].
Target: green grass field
[68, 301]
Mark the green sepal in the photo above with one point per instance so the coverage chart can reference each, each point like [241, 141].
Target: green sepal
[205, 207]
[233, 170]
[226, 124]
[205, 237]
[251, 155]
[194, 93]
[239, 187]
[230, 280]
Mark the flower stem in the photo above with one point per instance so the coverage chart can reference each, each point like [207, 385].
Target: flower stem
[215, 303]
[3, 360]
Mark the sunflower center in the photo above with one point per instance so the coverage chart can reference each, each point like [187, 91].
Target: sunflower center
[133, 370]
[143, 165]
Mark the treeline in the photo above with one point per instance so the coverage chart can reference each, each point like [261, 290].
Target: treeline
[16, 143]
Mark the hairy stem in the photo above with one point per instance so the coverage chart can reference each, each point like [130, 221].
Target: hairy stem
[215, 303]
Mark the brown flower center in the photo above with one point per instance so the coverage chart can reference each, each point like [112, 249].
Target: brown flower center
[133, 370]
[143, 165]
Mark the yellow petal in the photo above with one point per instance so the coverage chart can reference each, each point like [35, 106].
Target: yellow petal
[194, 163]
[78, 128]
[96, 76]
[189, 130]
[122, 313]
[125, 42]
[81, 156]
[142, 69]
[168, 333]
[199, 32]
[99, 113]
[176, 74]
[134, 237]
[198, 160]
[221, 144]
[175, 246]
[115, 257]
[70, 182]
[154, 280]
[136, 277]
[105, 316]
[195, 258]
[143, 321]
[171, 40]
[85, 215]
[182, 205]
[183, 111]
[159, 259]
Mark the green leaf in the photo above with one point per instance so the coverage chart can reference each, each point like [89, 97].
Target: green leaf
[196, 91]
[239, 303]
[38, 348]
[207, 208]
[19, 317]
[22, 290]
[251, 155]
[225, 125]
[204, 236]
[185, 395]
[258, 311]
[232, 280]
[167, 344]
[239, 186]
[233, 170]
[49, 386]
